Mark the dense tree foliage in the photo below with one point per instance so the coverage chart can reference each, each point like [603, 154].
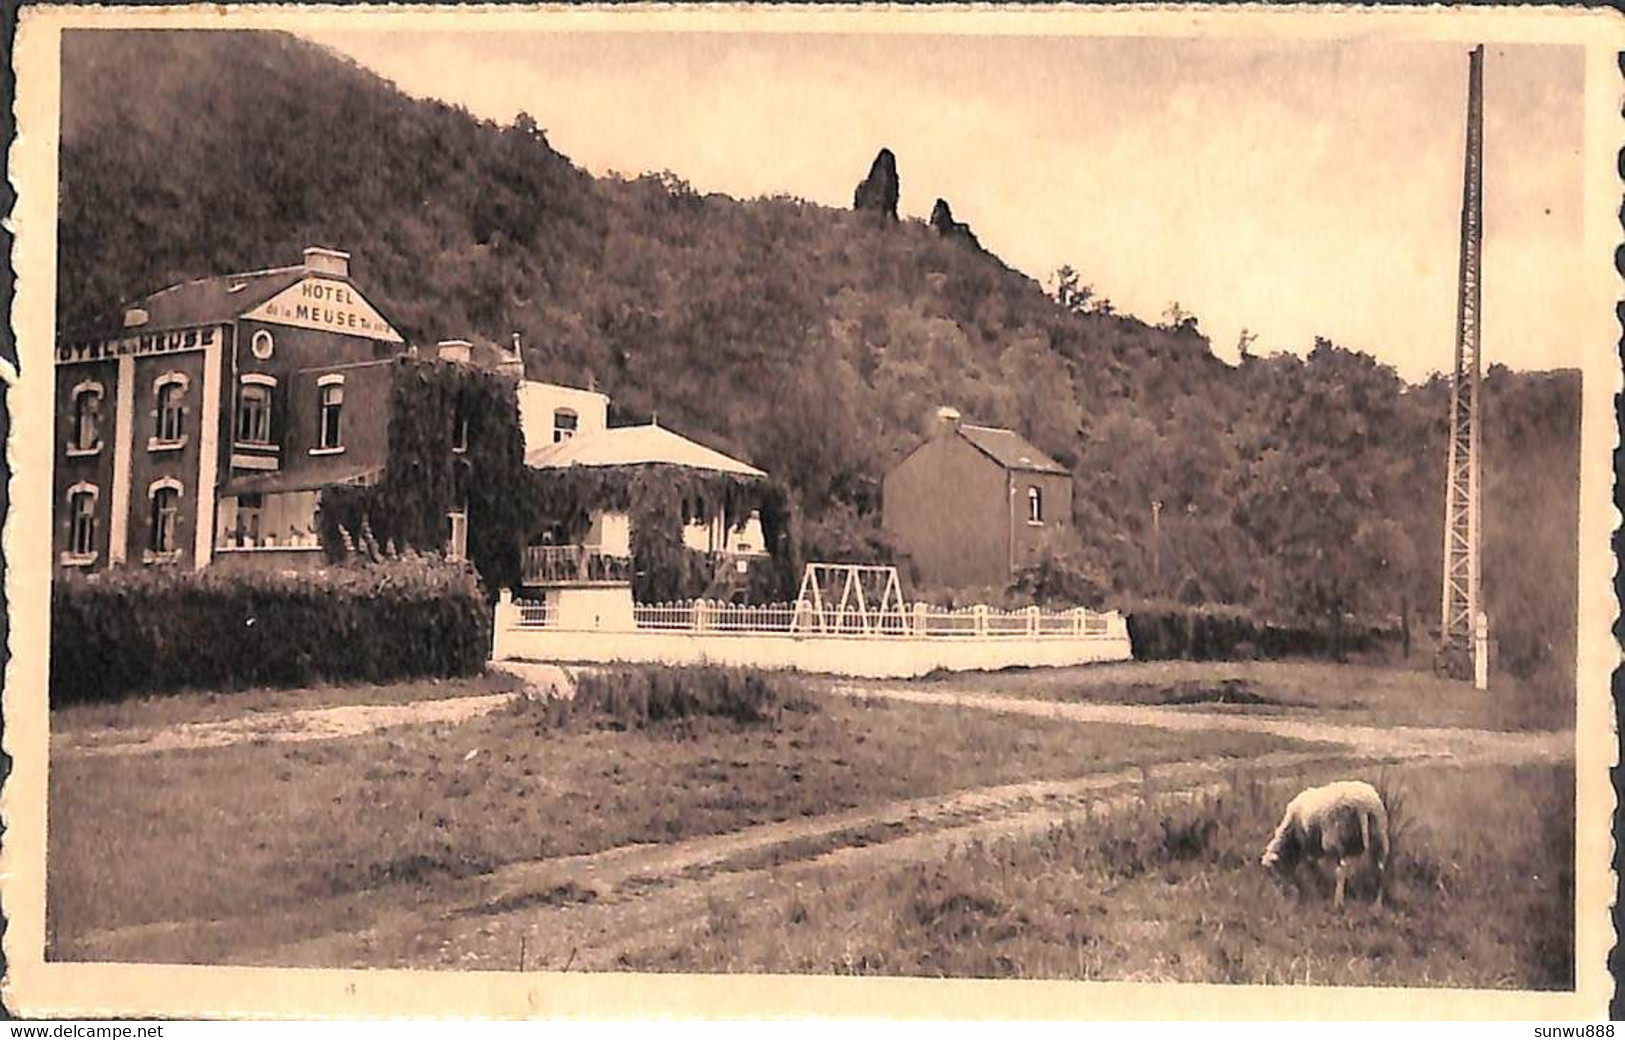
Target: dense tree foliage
[813, 341]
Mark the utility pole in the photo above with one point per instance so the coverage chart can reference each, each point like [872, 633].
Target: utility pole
[1460, 629]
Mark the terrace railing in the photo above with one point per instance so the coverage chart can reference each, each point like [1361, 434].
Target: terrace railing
[921, 620]
[574, 565]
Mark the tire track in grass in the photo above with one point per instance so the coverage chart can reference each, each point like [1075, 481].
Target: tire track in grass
[276, 727]
[595, 905]
[1447, 742]
[603, 905]
[678, 887]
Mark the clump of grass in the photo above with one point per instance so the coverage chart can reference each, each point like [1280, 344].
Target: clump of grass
[1154, 832]
[636, 697]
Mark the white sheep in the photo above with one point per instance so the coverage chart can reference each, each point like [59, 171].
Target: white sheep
[1345, 820]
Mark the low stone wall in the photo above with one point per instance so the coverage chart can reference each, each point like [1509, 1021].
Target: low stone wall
[869, 657]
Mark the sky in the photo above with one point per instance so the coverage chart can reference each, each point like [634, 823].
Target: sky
[1293, 188]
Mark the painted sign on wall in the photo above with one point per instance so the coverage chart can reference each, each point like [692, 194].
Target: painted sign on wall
[170, 342]
[326, 305]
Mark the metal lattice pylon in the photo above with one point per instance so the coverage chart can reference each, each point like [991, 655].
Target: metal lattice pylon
[852, 598]
[1460, 605]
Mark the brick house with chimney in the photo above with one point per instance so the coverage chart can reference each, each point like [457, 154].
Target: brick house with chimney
[200, 424]
[973, 505]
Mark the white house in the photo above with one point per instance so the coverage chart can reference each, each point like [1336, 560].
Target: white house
[566, 427]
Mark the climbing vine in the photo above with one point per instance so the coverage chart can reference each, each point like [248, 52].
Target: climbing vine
[510, 504]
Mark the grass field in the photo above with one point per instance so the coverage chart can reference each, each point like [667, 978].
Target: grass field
[1481, 894]
[1350, 693]
[256, 829]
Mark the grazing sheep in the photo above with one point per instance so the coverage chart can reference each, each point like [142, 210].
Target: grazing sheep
[1345, 819]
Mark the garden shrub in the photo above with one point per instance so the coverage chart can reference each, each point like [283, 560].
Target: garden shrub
[509, 503]
[637, 696]
[1170, 631]
[125, 633]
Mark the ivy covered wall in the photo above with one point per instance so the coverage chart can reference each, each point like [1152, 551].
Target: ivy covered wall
[509, 503]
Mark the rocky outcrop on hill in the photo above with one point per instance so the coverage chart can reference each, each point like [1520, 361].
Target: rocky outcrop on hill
[943, 222]
[879, 190]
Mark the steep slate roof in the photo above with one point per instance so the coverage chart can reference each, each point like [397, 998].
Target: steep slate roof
[1009, 449]
[210, 301]
[632, 446]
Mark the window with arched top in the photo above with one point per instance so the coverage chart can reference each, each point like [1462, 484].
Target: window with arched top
[1035, 505]
[87, 418]
[82, 520]
[330, 428]
[254, 411]
[565, 421]
[163, 535]
[169, 413]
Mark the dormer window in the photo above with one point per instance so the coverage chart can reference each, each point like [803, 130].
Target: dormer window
[565, 422]
[87, 419]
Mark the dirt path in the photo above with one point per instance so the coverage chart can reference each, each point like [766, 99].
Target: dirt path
[275, 727]
[1402, 741]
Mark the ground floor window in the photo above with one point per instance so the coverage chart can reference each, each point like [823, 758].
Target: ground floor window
[82, 520]
[166, 511]
[255, 520]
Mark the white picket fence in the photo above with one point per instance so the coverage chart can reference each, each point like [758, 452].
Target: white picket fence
[782, 618]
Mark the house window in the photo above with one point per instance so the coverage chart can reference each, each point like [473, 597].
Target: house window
[565, 421]
[457, 542]
[254, 414]
[262, 345]
[459, 432]
[82, 521]
[329, 435]
[166, 511]
[170, 413]
[250, 508]
[1035, 506]
[87, 418]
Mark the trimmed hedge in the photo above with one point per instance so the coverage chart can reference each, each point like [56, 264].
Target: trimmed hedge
[129, 633]
[1172, 632]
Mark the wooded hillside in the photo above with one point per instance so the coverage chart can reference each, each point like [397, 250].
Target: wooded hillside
[813, 341]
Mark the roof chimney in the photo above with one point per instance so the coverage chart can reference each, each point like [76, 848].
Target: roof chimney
[947, 421]
[327, 261]
[456, 350]
[512, 364]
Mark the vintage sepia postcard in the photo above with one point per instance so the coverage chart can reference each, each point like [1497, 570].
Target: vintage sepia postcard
[777, 511]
